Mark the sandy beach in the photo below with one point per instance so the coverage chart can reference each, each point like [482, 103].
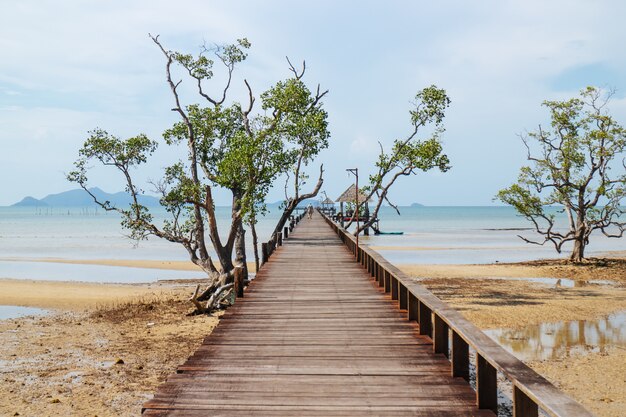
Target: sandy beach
[106, 347]
[104, 360]
[73, 296]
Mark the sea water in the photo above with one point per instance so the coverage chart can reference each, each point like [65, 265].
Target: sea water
[431, 235]
[469, 235]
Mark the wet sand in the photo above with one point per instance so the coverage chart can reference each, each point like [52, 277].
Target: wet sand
[74, 296]
[103, 362]
[64, 364]
[129, 263]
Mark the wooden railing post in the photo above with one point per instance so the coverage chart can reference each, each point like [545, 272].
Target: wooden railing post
[440, 335]
[286, 232]
[387, 281]
[279, 239]
[394, 288]
[486, 385]
[238, 273]
[402, 296]
[412, 307]
[523, 406]
[264, 253]
[425, 320]
[460, 357]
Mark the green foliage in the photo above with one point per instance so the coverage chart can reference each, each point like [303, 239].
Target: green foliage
[410, 154]
[229, 146]
[430, 106]
[125, 155]
[571, 166]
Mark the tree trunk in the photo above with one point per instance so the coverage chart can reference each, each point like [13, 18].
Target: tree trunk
[293, 203]
[255, 246]
[578, 254]
[240, 250]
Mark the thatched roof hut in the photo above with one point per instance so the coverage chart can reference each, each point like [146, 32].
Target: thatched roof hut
[349, 196]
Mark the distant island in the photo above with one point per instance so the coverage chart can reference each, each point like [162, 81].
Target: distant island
[79, 198]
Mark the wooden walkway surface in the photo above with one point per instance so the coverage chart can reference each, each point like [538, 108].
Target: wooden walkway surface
[314, 336]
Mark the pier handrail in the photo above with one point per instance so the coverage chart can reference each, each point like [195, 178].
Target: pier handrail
[438, 320]
[268, 248]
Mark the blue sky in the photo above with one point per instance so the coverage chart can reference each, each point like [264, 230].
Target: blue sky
[68, 67]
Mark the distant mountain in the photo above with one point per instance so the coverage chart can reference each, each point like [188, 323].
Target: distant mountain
[79, 198]
[417, 205]
[30, 202]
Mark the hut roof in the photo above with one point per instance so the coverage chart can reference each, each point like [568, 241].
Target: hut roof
[349, 196]
[328, 201]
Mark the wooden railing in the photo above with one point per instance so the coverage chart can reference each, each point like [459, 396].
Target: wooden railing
[268, 248]
[453, 335]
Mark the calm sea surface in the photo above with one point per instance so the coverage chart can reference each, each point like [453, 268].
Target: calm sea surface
[431, 235]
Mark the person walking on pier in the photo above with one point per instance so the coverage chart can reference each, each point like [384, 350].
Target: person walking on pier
[309, 211]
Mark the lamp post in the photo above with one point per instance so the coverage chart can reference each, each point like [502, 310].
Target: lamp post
[355, 171]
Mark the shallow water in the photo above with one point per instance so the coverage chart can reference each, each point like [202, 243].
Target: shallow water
[12, 312]
[558, 340]
[553, 282]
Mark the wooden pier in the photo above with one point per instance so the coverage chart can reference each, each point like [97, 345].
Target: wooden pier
[315, 335]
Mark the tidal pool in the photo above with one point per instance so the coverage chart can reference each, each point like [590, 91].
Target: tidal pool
[12, 312]
[552, 282]
[557, 340]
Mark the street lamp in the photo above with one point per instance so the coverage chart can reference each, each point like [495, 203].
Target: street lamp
[355, 171]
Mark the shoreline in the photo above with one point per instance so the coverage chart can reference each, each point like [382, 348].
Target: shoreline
[172, 265]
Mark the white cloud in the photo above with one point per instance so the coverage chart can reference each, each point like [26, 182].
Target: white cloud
[71, 66]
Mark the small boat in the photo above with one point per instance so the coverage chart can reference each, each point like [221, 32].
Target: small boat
[390, 233]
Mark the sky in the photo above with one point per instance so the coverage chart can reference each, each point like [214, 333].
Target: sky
[69, 67]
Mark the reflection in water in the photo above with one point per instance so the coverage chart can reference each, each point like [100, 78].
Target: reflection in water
[557, 340]
[552, 282]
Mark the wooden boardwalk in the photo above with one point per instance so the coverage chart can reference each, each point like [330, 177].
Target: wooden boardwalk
[315, 336]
